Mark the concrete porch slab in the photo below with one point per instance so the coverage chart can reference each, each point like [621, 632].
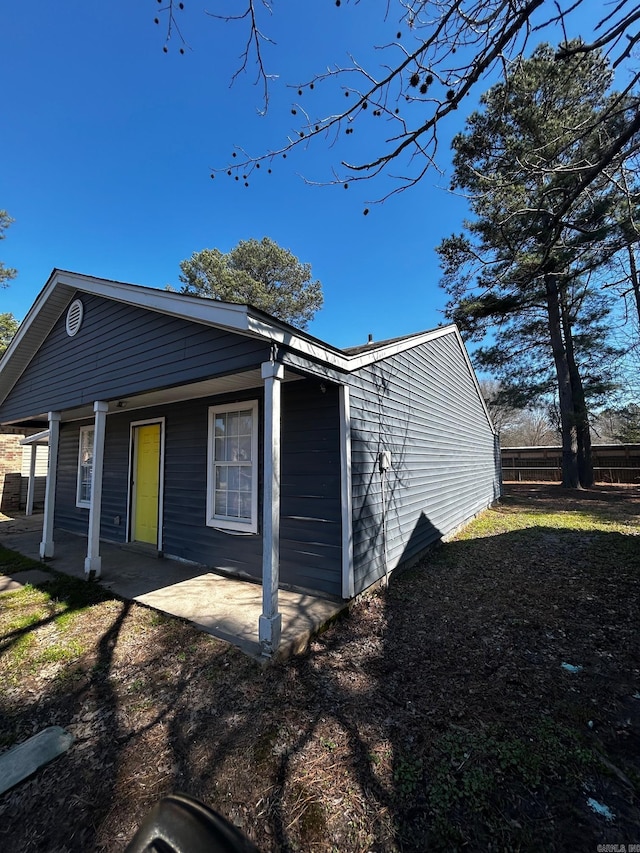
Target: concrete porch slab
[223, 607]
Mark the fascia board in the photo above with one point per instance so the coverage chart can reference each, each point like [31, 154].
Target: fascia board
[213, 313]
[307, 346]
[379, 354]
[24, 327]
[57, 293]
[365, 359]
[315, 349]
[43, 314]
[349, 364]
[59, 289]
[207, 311]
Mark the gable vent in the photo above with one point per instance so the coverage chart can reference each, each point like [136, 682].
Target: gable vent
[74, 317]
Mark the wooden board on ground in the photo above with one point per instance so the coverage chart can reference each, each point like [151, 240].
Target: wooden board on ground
[22, 760]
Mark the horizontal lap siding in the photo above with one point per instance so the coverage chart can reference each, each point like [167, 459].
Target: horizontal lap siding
[186, 533]
[115, 477]
[423, 406]
[115, 480]
[311, 521]
[121, 350]
[67, 514]
[310, 552]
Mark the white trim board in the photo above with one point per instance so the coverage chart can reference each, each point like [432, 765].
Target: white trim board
[61, 287]
[346, 500]
[58, 292]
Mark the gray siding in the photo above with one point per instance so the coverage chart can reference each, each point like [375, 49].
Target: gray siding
[115, 480]
[67, 514]
[423, 406]
[186, 534]
[311, 520]
[121, 350]
[310, 509]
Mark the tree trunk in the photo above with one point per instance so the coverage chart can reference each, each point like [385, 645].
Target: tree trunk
[585, 460]
[570, 478]
[635, 281]
[580, 413]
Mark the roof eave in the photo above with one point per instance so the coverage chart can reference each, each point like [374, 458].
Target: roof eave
[61, 286]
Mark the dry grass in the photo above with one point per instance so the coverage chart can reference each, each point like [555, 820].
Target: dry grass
[437, 715]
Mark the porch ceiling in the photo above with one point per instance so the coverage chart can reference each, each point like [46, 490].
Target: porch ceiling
[164, 396]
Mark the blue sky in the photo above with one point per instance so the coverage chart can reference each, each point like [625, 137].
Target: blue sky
[108, 144]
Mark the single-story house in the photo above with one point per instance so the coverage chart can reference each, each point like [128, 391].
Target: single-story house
[216, 434]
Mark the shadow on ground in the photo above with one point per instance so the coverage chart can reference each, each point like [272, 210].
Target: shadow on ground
[437, 715]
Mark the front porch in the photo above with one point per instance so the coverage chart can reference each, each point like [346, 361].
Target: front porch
[223, 607]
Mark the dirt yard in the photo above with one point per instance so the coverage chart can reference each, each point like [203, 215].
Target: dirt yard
[488, 700]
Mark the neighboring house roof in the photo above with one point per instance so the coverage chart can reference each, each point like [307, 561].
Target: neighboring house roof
[62, 285]
[373, 345]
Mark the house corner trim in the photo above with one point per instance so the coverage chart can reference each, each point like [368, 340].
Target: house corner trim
[47, 547]
[348, 586]
[270, 622]
[93, 561]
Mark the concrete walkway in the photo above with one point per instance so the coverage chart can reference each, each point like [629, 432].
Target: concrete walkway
[226, 608]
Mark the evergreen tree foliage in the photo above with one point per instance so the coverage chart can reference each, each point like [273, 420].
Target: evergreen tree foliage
[258, 273]
[630, 430]
[6, 273]
[526, 267]
[622, 423]
[8, 328]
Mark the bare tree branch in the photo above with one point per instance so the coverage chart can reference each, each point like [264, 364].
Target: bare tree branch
[254, 40]
[414, 88]
[172, 24]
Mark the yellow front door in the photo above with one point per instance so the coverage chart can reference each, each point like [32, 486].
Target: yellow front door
[146, 487]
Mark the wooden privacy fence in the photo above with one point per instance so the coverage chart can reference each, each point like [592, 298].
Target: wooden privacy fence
[612, 463]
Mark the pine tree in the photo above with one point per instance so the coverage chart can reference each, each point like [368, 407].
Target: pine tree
[258, 273]
[526, 265]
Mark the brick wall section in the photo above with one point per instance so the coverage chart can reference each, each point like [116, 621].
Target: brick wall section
[10, 468]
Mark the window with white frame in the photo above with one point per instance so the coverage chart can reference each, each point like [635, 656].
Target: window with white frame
[232, 476]
[85, 466]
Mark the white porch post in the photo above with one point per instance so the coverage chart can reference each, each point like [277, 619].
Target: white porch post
[93, 561]
[32, 479]
[46, 546]
[270, 623]
[348, 589]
